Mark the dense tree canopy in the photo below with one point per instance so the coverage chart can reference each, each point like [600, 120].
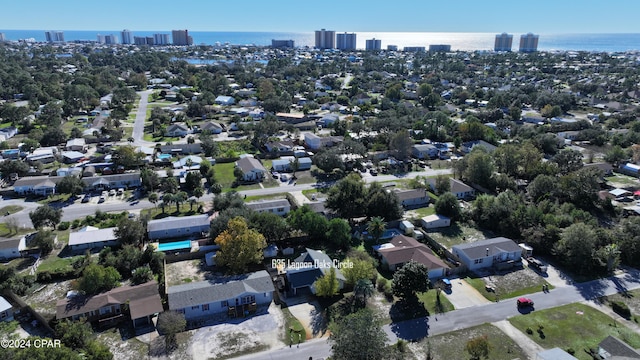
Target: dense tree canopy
[240, 246]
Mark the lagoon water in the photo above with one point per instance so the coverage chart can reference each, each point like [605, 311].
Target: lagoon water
[458, 41]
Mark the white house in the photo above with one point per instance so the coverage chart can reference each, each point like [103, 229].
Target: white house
[278, 206]
[435, 221]
[78, 144]
[487, 253]
[90, 237]
[413, 197]
[184, 226]
[212, 127]
[225, 100]
[177, 130]
[36, 185]
[12, 248]
[315, 142]
[238, 296]
[6, 310]
[424, 151]
[456, 187]
[252, 169]
[403, 249]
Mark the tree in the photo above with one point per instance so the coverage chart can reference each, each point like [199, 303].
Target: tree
[515, 112]
[411, 279]
[150, 179]
[541, 187]
[568, 160]
[170, 323]
[45, 215]
[627, 233]
[95, 350]
[339, 232]
[192, 180]
[44, 240]
[358, 336]
[238, 173]
[169, 185]
[478, 347]
[448, 205]
[239, 246]
[272, 226]
[53, 136]
[313, 224]
[153, 198]
[443, 184]
[96, 278]
[179, 198]
[382, 203]
[129, 231]
[401, 144]
[347, 197]
[74, 334]
[9, 167]
[141, 275]
[615, 155]
[127, 156]
[577, 247]
[610, 255]
[376, 227]
[361, 269]
[363, 289]
[327, 285]
[479, 167]
[70, 185]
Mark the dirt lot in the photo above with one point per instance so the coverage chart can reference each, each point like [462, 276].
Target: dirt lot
[183, 272]
[512, 283]
[45, 298]
[457, 234]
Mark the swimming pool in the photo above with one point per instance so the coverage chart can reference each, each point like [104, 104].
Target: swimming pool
[176, 245]
[389, 233]
[164, 156]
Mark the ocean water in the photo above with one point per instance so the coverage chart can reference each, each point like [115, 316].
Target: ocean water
[458, 41]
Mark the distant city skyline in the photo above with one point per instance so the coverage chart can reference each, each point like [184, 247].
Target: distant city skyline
[542, 16]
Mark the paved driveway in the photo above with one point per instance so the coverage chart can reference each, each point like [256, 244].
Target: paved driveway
[463, 295]
[309, 315]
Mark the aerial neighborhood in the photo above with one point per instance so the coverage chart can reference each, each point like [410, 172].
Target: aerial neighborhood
[163, 200]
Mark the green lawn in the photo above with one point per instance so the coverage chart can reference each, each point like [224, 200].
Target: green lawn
[457, 233]
[292, 327]
[11, 209]
[54, 198]
[621, 179]
[224, 174]
[425, 211]
[6, 233]
[429, 300]
[54, 263]
[631, 299]
[575, 326]
[149, 137]
[451, 345]
[172, 210]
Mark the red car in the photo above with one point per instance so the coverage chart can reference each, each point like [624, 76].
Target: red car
[524, 302]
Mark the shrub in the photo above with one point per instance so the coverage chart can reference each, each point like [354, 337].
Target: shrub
[529, 331]
[64, 225]
[382, 284]
[621, 309]
[75, 223]
[571, 351]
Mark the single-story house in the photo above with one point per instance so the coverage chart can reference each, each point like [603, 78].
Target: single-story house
[284, 164]
[143, 302]
[488, 252]
[555, 354]
[177, 130]
[172, 227]
[36, 185]
[413, 198]
[43, 155]
[424, 151]
[90, 237]
[126, 180]
[238, 296]
[456, 187]
[174, 149]
[316, 142]
[225, 100]
[212, 127]
[73, 171]
[277, 206]
[317, 264]
[292, 118]
[195, 162]
[279, 146]
[252, 169]
[620, 193]
[77, 144]
[71, 157]
[403, 249]
[468, 146]
[6, 310]
[12, 248]
[613, 348]
[435, 221]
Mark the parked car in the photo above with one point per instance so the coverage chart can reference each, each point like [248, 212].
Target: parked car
[373, 172]
[86, 198]
[275, 174]
[120, 191]
[524, 302]
[102, 199]
[112, 192]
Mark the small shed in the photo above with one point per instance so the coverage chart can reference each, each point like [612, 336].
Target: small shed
[435, 221]
[6, 310]
[210, 258]
[271, 251]
[407, 227]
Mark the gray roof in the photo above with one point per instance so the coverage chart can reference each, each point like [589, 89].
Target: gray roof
[618, 348]
[92, 236]
[458, 186]
[411, 194]
[205, 292]
[478, 249]
[133, 177]
[4, 304]
[182, 222]
[35, 180]
[424, 147]
[76, 142]
[306, 276]
[268, 204]
[247, 164]
[555, 354]
[10, 243]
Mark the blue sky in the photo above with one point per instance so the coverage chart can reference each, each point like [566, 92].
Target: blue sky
[539, 16]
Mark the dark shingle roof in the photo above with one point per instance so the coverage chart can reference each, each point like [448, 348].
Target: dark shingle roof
[248, 163]
[306, 276]
[406, 249]
[618, 348]
[411, 194]
[205, 292]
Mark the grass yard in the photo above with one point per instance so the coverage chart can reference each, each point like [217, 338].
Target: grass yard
[458, 233]
[574, 326]
[53, 263]
[420, 212]
[631, 299]
[6, 233]
[292, 327]
[429, 300]
[620, 180]
[224, 174]
[172, 210]
[11, 209]
[53, 198]
[264, 197]
[509, 285]
[451, 345]
[150, 137]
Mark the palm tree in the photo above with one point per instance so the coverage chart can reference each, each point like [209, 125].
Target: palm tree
[168, 199]
[179, 198]
[162, 205]
[376, 228]
[363, 289]
[611, 255]
[192, 201]
[131, 139]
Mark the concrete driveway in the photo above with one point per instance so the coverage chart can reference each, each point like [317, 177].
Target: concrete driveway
[309, 315]
[463, 295]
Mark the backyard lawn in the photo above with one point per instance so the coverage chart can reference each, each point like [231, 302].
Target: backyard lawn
[224, 174]
[576, 326]
[451, 345]
[457, 233]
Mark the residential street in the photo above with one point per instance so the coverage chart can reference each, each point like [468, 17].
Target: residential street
[141, 115]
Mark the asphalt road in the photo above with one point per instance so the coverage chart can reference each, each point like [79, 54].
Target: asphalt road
[141, 115]
[78, 210]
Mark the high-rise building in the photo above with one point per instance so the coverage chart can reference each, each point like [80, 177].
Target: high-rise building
[414, 49]
[439, 48]
[140, 40]
[529, 43]
[126, 37]
[325, 39]
[346, 41]
[373, 45]
[282, 44]
[54, 36]
[150, 40]
[392, 47]
[503, 42]
[2, 37]
[181, 37]
[101, 39]
[160, 39]
[110, 39]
